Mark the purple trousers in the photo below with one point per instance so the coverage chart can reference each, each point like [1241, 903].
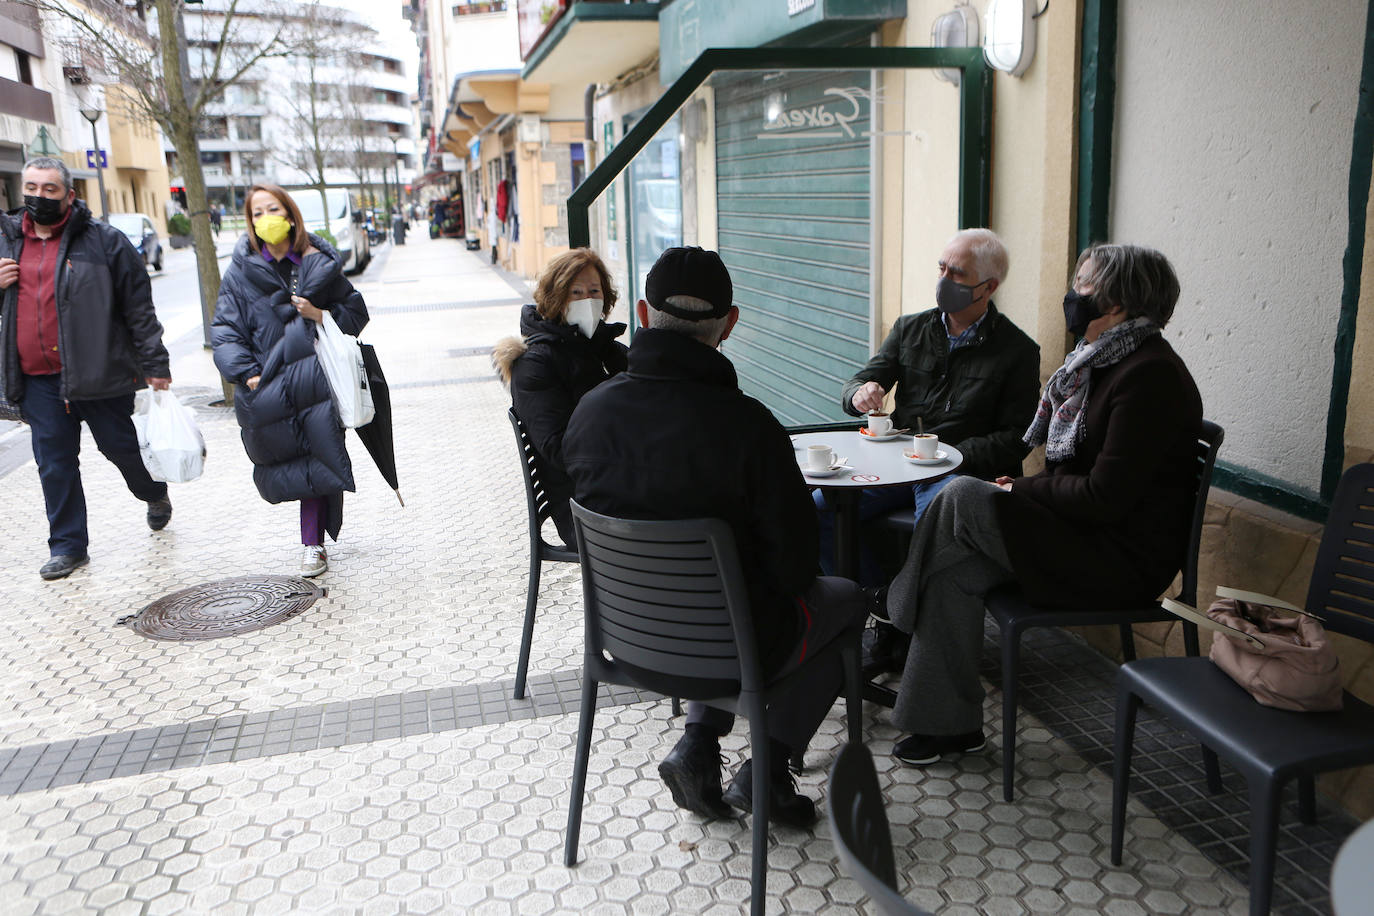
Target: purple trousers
[313, 512]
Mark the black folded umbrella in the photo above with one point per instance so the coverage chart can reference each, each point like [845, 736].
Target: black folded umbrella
[377, 435]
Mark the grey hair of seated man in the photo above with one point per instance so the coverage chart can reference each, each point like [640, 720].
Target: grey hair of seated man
[707, 330]
[989, 254]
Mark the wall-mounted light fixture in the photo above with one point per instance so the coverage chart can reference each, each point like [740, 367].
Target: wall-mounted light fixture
[1009, 37]
[956, 29]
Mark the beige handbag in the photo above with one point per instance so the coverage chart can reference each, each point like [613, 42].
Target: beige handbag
[1283, 660]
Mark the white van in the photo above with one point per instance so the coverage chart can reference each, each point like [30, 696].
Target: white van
[345, 223]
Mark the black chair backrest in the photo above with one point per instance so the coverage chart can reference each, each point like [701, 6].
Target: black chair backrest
[531, 470]
[1208, 444]
[1342, 588]
[858, 821]
[667, 599]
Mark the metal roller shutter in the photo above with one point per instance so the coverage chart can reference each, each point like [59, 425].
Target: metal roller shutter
[794, 209]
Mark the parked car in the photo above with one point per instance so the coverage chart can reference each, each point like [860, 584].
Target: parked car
[139, 229]
[345, 223]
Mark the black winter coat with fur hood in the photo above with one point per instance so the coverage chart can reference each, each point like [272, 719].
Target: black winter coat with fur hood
[290, 426]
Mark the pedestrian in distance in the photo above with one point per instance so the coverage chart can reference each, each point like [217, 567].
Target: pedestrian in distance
[565, 349]
[216, 217]
[80, 336]
[280, 282]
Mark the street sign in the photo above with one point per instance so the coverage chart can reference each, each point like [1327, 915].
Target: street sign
[91, 156]
[43, 144]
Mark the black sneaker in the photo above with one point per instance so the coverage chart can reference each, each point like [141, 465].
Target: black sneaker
[61, 566]
[692, 773]
[159, 512]
[884, 649]
[919, 750]
[785, 804]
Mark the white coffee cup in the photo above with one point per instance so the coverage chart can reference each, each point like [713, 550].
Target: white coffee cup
[925, 445]
[819, 457]
[879, 424]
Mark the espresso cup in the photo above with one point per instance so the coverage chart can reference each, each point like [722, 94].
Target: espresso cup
[925, 445]
[879, 424]
[819, 457]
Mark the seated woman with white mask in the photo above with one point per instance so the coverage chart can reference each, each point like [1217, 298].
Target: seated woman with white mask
[566, 349]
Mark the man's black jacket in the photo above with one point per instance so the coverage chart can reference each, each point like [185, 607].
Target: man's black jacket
[109, 338]
[673, 437]
[980, 397]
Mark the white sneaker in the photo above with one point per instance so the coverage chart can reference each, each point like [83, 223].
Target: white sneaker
[315, 560]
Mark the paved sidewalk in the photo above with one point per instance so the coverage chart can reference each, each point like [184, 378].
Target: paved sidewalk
[365, 757]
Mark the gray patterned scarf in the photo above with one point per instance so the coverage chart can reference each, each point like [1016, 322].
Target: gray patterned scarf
[1058, 422]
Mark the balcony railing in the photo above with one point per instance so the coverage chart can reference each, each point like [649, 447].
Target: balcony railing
[538, 17]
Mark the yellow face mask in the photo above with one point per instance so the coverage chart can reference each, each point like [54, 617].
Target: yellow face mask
[272, 228]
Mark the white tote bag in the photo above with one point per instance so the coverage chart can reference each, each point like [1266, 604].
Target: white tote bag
[169, 441]
[342, 361]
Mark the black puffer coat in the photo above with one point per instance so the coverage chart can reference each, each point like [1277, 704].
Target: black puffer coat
[558, 367]
[290, 424]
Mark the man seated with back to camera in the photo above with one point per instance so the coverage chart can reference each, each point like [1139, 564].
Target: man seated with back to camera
[673, 437]
[963, 371]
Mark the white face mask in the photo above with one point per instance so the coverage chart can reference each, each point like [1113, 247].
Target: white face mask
[585, 314]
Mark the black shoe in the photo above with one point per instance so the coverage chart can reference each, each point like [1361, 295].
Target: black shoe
[884, 649]
[919, 750]
[692, 773]
[61, 566]
[159, 513]
[785, 804]
[875, 600]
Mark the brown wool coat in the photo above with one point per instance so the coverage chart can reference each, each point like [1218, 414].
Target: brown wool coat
[1111, 524]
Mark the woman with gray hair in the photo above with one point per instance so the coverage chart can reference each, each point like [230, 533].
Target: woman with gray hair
[1106, 521]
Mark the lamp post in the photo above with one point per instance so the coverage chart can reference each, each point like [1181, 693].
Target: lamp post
[92, 114]
[396, 166]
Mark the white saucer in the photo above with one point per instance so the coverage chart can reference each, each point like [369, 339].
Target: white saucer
[829, 472]
[886, 437]
[940, 455]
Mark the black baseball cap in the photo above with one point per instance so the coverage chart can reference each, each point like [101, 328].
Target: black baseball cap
[692, 272]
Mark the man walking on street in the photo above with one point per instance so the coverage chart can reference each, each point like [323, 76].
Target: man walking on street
[78, 335]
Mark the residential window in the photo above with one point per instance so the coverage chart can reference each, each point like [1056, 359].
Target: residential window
[21, 61]
[248, 128]
[469, 7]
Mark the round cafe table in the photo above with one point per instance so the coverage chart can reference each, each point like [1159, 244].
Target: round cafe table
[1352, 878]
[875, 464]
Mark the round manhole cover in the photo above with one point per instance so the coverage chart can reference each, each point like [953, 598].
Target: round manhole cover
[225, 608]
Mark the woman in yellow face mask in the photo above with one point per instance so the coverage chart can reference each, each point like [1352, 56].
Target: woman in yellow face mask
[279, 283]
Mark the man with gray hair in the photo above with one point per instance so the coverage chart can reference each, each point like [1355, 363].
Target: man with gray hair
[78, 335]
[673, 437]
[964, 372]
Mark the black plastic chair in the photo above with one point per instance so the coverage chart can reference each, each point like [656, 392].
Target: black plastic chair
[541, 551]
[1014, 615]
[667, 610]
[858, 824]
[1268, 746]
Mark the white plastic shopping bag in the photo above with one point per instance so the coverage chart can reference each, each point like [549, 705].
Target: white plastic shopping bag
[168, 439]
[342, 361]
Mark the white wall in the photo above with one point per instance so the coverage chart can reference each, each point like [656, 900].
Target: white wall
[1232, 152]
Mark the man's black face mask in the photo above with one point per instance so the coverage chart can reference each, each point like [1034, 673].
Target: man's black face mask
[44, 210]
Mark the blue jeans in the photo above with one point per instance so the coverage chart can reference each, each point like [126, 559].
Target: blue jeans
[873, 503]
[56, 436]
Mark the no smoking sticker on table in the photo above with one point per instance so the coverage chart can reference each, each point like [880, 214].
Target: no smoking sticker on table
[865, 478]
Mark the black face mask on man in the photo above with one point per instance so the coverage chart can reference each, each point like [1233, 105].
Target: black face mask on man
[1080, 309]
[952, 296]
[44, 210]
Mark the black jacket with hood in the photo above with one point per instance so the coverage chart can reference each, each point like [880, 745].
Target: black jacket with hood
[108, 335]
[548, 376]
[290, 426]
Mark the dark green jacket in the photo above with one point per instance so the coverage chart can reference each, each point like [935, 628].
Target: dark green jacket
[980, 398]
